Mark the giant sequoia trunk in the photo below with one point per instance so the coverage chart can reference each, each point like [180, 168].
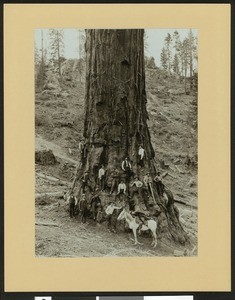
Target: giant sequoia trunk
[115, 105]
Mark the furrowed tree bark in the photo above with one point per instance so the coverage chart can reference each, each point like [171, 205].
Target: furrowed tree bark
[115, 105]
[115, 102]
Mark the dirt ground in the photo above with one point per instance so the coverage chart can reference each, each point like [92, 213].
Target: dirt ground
[59, 236]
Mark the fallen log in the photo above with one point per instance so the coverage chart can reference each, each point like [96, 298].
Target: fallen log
[181, 202]
[180, 171]
[165, 116]
[51, 178]
[47, 224]
[39, 196]
[171, 169]
[171, 176]
[178, 253]
[184, 203]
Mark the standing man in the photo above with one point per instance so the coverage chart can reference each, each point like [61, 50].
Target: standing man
[148, 181]
[136, 187]
[110, 216]
[121, 189]
[127, 168]
[95, 204]
[126, 165]
[160, 186]
[115, 179]
[71, 200]
[85, 182]
[141, 156]
[101, 178]
[83, 208]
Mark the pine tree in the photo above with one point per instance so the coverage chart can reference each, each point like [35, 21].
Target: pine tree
[192, 56]
[195, 54]
[181, 60]
[185, 59]
[176, 64]
[36, 55]
[40, 65]
[191, 51]
[176, 41]
[178, 51]
[56, 48]
[163, 59]
[168, 46]
[151, 63]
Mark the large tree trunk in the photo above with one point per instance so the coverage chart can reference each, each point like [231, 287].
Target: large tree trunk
[115, 113]
[115, 105]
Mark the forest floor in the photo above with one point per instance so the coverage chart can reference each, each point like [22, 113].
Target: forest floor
[59, 123]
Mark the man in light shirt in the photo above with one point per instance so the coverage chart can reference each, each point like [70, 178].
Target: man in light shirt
[110, 208]
[101, 178]
[121, 189]
[111, 217]
[141, 156]
[136, 187]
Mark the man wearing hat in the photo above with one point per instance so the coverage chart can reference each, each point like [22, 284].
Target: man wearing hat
[95, 204]
[121, 193]
[159, 184]
[72, 201]
[85, 182]
[136, 187]
[115, 179]
[127, 168]
[83, 208]
[148, 181]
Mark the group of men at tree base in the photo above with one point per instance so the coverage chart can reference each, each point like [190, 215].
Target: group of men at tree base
[124, 188]
[82, 206]
[108, 213]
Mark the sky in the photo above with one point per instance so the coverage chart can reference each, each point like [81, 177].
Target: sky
[155, 41]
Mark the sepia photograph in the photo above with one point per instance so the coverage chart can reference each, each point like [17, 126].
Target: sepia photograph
[116, 142]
